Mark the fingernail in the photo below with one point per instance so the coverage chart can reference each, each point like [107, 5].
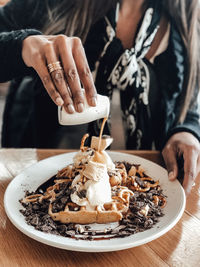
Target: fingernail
[80, 107]
[59, 101]
[171, 176]
[94, 101]
[70, 108]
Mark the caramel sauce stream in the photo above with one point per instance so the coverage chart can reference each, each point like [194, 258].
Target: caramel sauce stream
[101, 132]
[98, 156]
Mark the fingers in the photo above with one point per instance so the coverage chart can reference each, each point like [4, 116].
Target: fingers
[190, 169]
[76, 69]
[48, 83]
[39, 51]
[71, 73]
[187, 145]
[84, 71]
[169, 156]
[58, 78]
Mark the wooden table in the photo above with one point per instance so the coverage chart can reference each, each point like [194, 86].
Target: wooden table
[179, 247]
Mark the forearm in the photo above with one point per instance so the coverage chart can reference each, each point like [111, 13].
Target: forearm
[18, 19]
[12, 64]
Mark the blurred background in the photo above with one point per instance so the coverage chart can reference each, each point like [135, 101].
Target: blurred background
[3, 86]
[3, 2]
[74, 133]
[3, 92]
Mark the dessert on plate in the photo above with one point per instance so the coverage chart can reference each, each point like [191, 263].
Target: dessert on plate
[94, 189]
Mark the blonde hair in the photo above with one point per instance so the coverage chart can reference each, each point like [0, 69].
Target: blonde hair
[75, 17]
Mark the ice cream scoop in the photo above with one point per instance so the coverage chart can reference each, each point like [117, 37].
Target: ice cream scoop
[97, 186]
[83, 157]
[95, 171]
[98, 189]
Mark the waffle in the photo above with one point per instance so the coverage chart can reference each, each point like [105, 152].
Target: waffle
[76, 214]
[72, 213]
[123, 185]
[123, 182]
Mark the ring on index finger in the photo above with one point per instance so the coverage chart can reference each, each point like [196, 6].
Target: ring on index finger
[54, 66]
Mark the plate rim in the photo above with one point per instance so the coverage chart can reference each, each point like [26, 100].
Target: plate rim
[115, 247]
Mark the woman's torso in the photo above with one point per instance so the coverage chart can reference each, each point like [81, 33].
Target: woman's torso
[92, 45]
[158, 46]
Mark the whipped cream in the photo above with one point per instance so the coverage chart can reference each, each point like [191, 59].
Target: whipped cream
[95, 171]
[97, 186]
[94, 179]
[100, 154]
[79, 186]
[109, 163]
[83, 157]
[98, 193]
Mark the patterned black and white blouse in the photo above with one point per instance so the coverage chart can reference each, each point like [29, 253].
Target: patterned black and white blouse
[127, 70]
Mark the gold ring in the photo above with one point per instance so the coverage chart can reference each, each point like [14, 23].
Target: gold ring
[54, 66]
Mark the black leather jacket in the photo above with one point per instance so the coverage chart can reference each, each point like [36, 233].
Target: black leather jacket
[30, 117]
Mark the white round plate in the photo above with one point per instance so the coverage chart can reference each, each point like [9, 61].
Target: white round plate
[37, 174]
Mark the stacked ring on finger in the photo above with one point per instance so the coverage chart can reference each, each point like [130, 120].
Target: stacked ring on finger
[54, 66]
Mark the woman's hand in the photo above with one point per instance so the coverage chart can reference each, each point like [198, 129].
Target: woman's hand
[186, 145]
[63, 85]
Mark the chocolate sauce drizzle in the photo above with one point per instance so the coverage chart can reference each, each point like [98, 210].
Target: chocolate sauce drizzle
[36, 214]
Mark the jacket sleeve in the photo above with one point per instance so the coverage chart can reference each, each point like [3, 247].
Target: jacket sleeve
[191, 123]
[171, 68]
[192, 120]
[18, 19]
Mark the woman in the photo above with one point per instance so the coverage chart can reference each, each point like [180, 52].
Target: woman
[146, 49]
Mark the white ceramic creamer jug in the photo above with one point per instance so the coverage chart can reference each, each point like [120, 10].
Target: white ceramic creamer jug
[89, 113]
